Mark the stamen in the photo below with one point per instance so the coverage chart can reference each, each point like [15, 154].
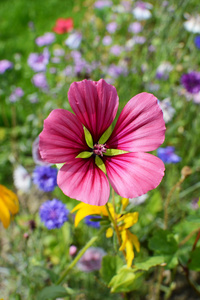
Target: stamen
[99, 149]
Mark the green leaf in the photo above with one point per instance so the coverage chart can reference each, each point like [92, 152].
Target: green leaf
[84, 154]
[99, 162]
[195, 261]
[113, 152]
[149, 262]
[53, 292]
[105, 135]
[125, 281]
[110, 265]
[59, 166]
[163, 242]
[88, 137]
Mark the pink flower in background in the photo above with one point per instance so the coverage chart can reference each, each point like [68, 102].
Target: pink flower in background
[5, 65]
[139, 128]
[63, 25]
[47, 39]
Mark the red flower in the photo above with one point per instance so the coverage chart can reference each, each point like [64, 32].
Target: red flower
[63, 25]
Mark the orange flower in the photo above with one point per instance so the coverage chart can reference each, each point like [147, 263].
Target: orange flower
[9, 205]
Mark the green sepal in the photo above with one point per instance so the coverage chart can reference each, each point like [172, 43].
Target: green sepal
[84, 154]
[88, 137]
[113, 152]
[105, 136]
[59, 166]
[100, 164]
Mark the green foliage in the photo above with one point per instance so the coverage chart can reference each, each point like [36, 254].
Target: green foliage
[126, 280]
[149, 262]
[110, 266]
[53, 292]
[195, 261]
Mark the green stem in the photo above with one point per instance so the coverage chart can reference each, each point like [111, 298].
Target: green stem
[76, 259]
[115, 227]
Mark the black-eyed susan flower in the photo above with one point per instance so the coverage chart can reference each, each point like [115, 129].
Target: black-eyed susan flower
[9, 205]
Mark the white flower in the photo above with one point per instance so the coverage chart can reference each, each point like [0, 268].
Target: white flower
[193, 24]
[74, 40]
[141, 11]
[138, 200]
[22, 179]
[167, 109]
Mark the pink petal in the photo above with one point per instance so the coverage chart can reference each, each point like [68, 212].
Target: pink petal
[134, 174]
[84, 181]
[95, 104]
[140, 126]
[62, 138]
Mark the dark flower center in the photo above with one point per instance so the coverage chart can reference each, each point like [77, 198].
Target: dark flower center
[99, 149]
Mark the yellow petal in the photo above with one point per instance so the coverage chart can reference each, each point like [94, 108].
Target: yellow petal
[128, 220]
[10, 199]
[129, 253]
[4, 214]
[124, 240]
[125, 202]
[109, 232]
[134, 240]
[85, 210]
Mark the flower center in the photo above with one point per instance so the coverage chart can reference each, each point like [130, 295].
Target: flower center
[99, 149]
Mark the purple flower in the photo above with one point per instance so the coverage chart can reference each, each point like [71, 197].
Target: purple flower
[163, 70]
[91, 259]
[46, 39]
[38, 61]
[16, 94]
[167, 155]
[5, 65]
[135, 27]
[59, 52]
[40, 81]
[53, 214]
[91, 223]
[72, 250]
[115, 71]
[197, 41]
[111, 27]
[116, 50]
[74, 40]
[102, 3]
[107, 40]
[191, 82]
[45, 177]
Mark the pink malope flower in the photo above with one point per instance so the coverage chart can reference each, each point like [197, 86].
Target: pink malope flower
[122, 156]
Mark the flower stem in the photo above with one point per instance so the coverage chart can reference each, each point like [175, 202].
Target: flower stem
[115, 227]
[76, 259]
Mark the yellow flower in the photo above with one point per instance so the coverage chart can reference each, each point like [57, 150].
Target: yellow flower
[9, 205]
[123, 221]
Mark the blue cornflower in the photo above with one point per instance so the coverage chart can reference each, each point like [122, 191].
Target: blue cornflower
[45, 177]
[197, 41]
[168, 156]
[53, 213]
[91, 223]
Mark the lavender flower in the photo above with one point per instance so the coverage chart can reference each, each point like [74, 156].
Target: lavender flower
[46, 39]
[197, 41]
[74, 40]
[91, 223]
[167, 155]
[116, 50]
[45, 177]
[39, 61]
[53, 213]
[135, 27]
[16, 94]
[91, 259]
[72, 250]
[5, 65]
[115, 71]
[111, 27]
[141, 11]
[107, 40]
[39, 80]
[191, 82]
[102, 3]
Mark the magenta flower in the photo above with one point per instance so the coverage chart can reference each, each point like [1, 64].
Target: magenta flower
[121, 155]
